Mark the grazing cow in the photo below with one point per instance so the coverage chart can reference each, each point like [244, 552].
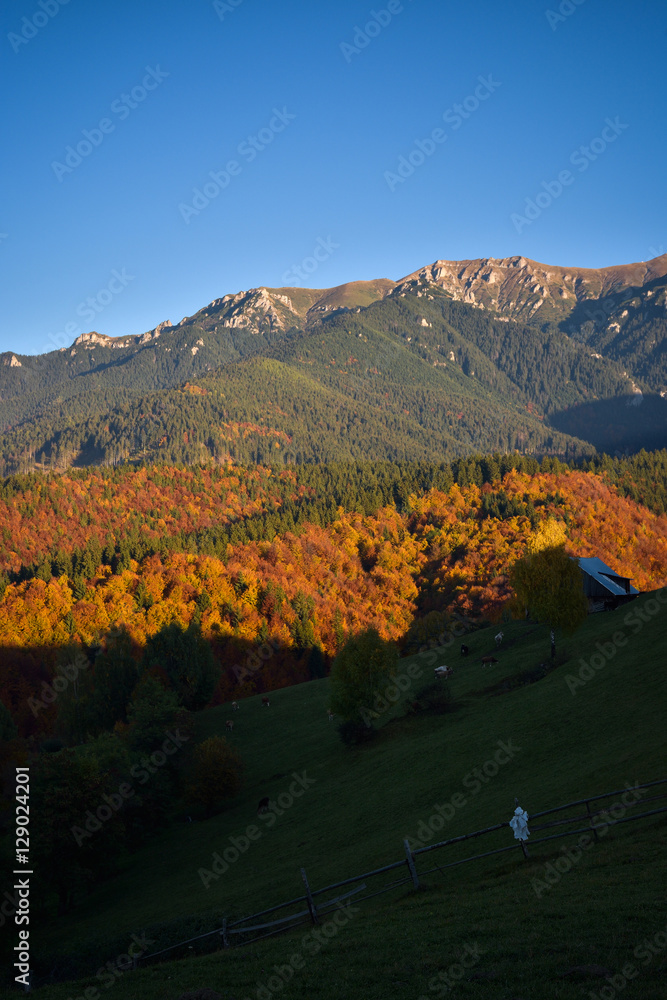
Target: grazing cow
[229, 725]
[443, 671]
[499, 638]
[235, 706]
[488, 660]
[263, 805]
[265, 701]
[464, 649]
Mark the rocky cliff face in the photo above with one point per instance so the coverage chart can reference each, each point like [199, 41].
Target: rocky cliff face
[510, 288]
[518, 287]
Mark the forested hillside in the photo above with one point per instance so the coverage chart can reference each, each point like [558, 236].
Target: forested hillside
[96, 371]
[292, 562]
[629, 327]
[409, 377]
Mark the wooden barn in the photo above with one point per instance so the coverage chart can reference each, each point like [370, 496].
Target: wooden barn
[604, 589]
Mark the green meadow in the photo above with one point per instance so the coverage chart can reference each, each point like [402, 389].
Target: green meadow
[480, 930]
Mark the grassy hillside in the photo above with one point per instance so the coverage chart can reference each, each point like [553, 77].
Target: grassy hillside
[362, 803]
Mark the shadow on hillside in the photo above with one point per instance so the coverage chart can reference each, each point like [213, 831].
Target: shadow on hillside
[622, 425]
[27, 674]
[599, 311]
[23, 672]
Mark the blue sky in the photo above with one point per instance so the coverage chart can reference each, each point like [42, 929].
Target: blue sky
[304, 113]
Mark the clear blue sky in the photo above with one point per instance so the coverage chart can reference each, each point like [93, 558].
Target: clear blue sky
[328, 174]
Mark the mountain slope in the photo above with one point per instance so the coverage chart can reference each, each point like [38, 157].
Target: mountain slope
[630, 327]
[519, 287]
[452, 356]
[228, 329]
[384, 382]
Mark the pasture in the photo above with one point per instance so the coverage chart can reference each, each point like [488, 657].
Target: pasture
[355, 807]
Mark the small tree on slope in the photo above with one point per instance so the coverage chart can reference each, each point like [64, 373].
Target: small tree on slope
[360, 674]
[548, 583]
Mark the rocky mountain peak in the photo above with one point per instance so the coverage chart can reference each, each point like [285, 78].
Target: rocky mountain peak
[517, 286]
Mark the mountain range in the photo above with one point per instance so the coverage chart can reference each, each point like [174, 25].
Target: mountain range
[456, 357]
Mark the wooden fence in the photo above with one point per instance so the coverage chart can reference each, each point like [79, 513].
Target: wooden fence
[311, 911]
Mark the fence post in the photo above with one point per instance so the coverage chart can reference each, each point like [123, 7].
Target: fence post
[411, 863]
[311, 901]
[522, 842]
[223, 933]
[588, 810]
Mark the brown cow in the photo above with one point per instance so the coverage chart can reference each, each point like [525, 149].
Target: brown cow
[487, 660]
[265, 701]
[229, 725]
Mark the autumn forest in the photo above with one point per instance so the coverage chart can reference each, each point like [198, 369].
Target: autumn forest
[271, 569]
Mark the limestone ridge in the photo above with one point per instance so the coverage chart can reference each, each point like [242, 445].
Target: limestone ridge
[511, 287]
[517, 287]
[619, 312]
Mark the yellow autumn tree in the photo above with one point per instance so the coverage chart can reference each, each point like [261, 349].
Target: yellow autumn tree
[547, 583]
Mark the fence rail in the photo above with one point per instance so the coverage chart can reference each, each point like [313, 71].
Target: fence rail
[314, 910]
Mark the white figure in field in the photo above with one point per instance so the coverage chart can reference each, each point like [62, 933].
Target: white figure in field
[519, 824]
